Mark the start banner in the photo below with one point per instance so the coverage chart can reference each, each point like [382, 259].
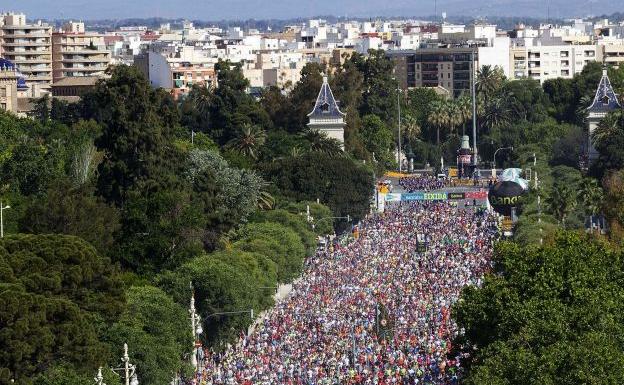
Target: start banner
[419, 196]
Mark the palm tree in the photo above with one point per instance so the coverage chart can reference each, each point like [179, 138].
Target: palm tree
[591, 197]
[610, 126]
[489, 80]
[248, 141]
[561, 202]
[454, 115]
[438, 117]
[497, 112]
[321, 143]
[411, 128]
[464, 103]
[265, 201]
[581, 110]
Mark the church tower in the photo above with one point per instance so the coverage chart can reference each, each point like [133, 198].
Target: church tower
[604, 102]
[326, 117]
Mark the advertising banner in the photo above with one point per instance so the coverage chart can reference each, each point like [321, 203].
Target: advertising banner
[476, 194]
[456, 195]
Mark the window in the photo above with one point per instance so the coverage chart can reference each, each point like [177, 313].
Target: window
[325, 107]
[605, 100]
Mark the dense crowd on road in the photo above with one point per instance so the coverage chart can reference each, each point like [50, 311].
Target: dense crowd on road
[422, 183]
[374, 311]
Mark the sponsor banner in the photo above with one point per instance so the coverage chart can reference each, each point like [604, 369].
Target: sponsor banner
[456, 195]
[393, 197]
[476, 194]
[441, 196]
[419, 196]
[413, 197]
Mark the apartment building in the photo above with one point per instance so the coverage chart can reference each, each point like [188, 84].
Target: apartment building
[545, 62]
[29, 47]
[177, 70]
[76, 52]
[449, 68]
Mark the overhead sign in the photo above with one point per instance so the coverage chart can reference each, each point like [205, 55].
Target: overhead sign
[418, 196]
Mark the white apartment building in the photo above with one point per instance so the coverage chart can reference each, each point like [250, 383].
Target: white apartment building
[76, 52]
[29, 47]
[543, 62]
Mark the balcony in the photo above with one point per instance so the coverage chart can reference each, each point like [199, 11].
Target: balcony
[87, 60]
[26, 35]
[27, 43]
[87, 68]
[84, 51]
[31, 61]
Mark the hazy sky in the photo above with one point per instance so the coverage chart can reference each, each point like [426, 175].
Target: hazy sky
[281, 9]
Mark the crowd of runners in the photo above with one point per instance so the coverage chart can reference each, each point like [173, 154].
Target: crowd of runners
[422, 183]
[373, 311]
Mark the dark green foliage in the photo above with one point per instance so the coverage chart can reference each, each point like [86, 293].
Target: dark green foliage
[338, 182]
[66, 209]
[158, 334]
[219, 287]
[160, 231]
[546, 315]
[138, 125]
[296, 222]
[608, 140]
[281, 244]
[57, 294]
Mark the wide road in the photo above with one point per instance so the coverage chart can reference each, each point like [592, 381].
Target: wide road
[376, 311]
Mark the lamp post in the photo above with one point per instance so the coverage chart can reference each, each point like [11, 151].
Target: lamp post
[2, 208]
[99, 378]
[348, 218]
[128, 369]
[495, 152]
[474, 111]
[399, 108]
[196, 329]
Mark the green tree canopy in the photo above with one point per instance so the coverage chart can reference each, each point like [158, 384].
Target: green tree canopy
[550, 315]
[158, 333]
[340, 183]
[56, 295]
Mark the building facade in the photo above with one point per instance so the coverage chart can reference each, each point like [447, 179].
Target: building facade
[449, 68]
[605, 101]
[78, 53]
[29, 47]
[326, 116]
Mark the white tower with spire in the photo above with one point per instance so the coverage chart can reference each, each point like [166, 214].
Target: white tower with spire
[605, 101]
[326, 116]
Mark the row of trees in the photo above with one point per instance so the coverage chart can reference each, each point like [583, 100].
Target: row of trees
[120, 201]
[552, 313]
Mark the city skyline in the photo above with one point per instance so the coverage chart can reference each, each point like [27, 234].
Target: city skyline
[285, 9]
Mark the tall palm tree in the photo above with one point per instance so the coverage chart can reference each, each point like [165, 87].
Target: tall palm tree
[438, 117]
[561, 201]
[591, 197]
[411, 128]
[248, 141]
[497, 112]
[454, 115]
[464, 103]
[320, 142]
[489, 80]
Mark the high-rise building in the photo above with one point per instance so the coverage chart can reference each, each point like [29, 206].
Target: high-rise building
[29, 47]
[449, 68]
[78, 53]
